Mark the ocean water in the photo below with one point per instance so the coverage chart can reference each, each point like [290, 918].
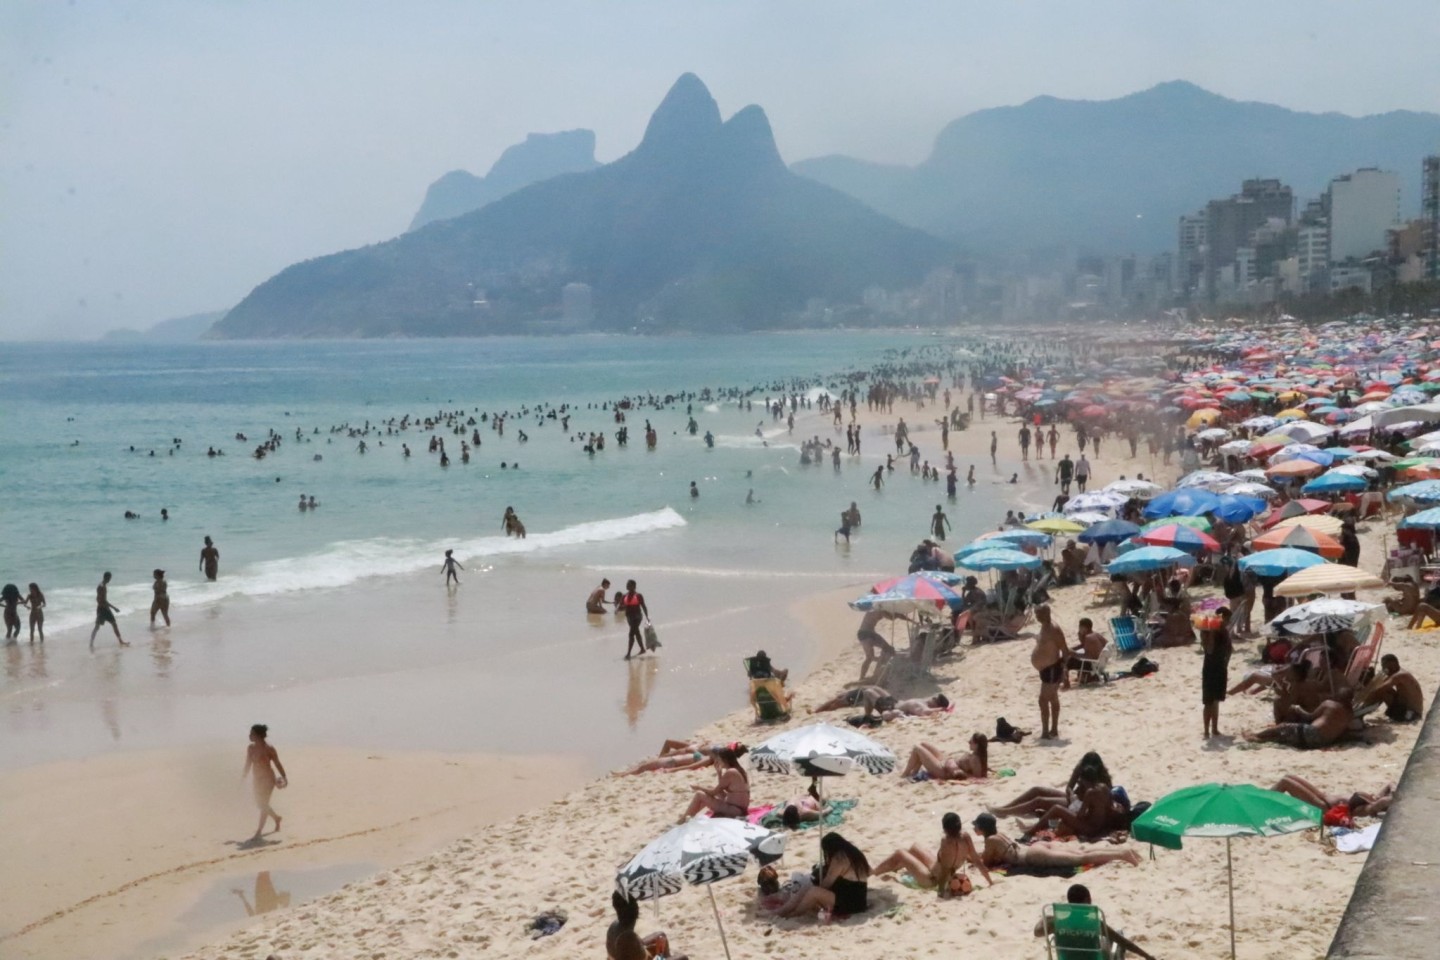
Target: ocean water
[305, 598]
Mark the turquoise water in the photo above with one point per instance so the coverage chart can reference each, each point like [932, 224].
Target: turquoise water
[334, 624]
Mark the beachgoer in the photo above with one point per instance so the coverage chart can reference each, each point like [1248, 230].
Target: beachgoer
[1399, 691]
[10, 597]
[1064, 470]
[1035, 801]
[1214, 671]
[1080, 894]
[877, 650]
[930, 760]
[595, 603]
[1088, 646]
[210, 559]
[633, 603]
[939, 523]
[1082, 471]
[946, 864]
[1001, 851]
[161, 603]
[843, 885]
[1048, 658]
[762, 669]
[694, 490]
[36, 602]
[873, 699]
[1358, 804]
[1310, 729]
[449, 567]
[267, 773]
[994, 445]
[730, 797]
[105, 611]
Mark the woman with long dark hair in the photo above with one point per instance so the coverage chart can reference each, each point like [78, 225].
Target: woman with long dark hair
[843, 886]
[730, 797]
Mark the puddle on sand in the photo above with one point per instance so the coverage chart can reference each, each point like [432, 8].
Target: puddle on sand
[228, 902]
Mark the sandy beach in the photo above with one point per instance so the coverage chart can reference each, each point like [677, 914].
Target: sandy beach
[476, 896]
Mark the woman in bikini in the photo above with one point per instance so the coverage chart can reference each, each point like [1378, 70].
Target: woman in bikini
[730, 797]
[1001, 851]
[929, 759]
[936, 871]
[677, 755]
[844, 882]
[1093, 815]
[1360, 804]
[260, 758]
[1037, 800]
[36, 602]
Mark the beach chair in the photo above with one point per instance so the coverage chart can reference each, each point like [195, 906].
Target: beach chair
[1363, 657]
[1129, 638]
[1075, 931]
[1095, 669]
[768, 697]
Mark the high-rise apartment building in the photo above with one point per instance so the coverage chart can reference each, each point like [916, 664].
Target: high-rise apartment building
[1362, 206]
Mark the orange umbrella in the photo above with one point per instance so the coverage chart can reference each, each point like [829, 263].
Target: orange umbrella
[1294, 468]
[1301, 538]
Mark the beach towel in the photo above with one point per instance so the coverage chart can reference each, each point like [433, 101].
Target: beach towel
[757, 814]
[834, 816]
[1355, 841]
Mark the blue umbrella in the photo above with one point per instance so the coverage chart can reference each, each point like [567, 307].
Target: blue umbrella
[1425, 519]
[1021, 537]
[998, 559]
[1424, 490]
[1280, 562]
[1334, 483]
[1111, 531]
[1238, 508]
[1150, 558]
[1189, 502]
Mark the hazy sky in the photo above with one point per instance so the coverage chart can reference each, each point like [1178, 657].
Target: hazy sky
[160, 158]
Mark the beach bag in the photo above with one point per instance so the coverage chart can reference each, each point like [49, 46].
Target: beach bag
[1143, 667]
[652, 639]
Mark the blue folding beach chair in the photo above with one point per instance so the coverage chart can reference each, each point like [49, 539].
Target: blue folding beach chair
[1128, 637]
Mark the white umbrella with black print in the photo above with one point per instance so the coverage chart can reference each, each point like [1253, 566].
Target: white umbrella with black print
[702, 850]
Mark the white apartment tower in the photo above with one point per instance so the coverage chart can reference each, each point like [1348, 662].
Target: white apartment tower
[1362, 206]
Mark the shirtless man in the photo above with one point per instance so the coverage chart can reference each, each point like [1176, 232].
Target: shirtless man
[918, 708]
[1311, 729]
[210, 559]
[262, 764]
[105, 611]
[935, 872]
[1399, 691]
[877, 650]
[1088, 645]
[1048, 658]
[871, 698]
[595, 603]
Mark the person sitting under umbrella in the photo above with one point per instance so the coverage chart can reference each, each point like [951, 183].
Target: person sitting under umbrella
[1399, 691]
[945, 869]
[621, 940]
[1408, 598]
[843, 884]
[1001, 851]
[731, 796]
[1079, 893]
[1310, 729]
[1172, 627]
[928, 762]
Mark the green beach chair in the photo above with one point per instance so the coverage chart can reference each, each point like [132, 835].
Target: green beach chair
[1075, 931]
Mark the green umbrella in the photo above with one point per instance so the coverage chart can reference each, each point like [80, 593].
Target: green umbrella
[1194, 523]
[1223, 810]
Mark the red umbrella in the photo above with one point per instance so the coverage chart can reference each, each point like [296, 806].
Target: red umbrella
[1301, 538]
[1180, 537]
[1297, 508]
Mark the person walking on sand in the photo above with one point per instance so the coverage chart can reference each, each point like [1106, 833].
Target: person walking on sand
[262, 764]
[994, 445]
[939, 523]
[1024, 442]
[633, 603]
[105, 611]
[36, 602]
[1214, 671]
[1082, 472]
[1048, 658]
[161, 603]
[1063, 471]
[449, 567]
[210, 559]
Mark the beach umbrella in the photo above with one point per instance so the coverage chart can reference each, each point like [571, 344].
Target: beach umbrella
[1247, 488]
[1139, 489]
[1110, 531]
[1299, 538]
[1192, 502]
[1280, 562]
[1223, 810]
[1422, 491]
[1194, 523]
[1327, 615]
[938, 576]
[1237, 447]
[1424, 520]
[700, 851]
[1260, 423]
[1328, 578]
[1238, 508]
[910, 594]
[1213, 433]
[1180, 537]
[1334, 483]
[1253, 475]
[1146, 559]
[1205, 479]
[1294, 468]
[1056, 525]
[1030, 535]
[1202, 418]
[1087, 517]
[1321, 522]
[999, 558]
[822, 750]
[1297, 508]
[1098, 500]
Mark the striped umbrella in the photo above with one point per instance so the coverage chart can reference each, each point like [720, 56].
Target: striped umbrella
[1150, 558]
[1181, 538]
[1328, 578]
[822, 749]
[1296, 508]
[1327, 615]
[1300, 538]
[1322, 522]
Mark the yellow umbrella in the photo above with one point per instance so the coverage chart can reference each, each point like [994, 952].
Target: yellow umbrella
[1056, 525]
[1289, 396]
[1203, 417]
[1328, 578]
[1294, 413]
[1321, 522]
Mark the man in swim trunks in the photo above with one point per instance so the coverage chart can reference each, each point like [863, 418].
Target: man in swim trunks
[877, 649]
[596, 601]
[1311, 730]
[105, 611]
[1048, 658]
[871, 698]
[1399, 691]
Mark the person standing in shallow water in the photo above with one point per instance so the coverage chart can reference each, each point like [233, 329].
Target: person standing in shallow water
[939, 523]
[161, 603]
[210, 559]
[105, 611]
[633, 603]
[262, 764]
[449, 567]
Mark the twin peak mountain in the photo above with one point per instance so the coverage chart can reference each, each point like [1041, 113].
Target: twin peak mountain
[700, 227]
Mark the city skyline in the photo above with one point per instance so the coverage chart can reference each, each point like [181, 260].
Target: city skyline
[162, 159]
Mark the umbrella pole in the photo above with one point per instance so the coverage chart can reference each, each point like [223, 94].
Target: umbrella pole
[1230, 876]
[710, 889]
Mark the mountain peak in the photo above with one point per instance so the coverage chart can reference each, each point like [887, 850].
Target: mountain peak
[688, 112]
[747, 137]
